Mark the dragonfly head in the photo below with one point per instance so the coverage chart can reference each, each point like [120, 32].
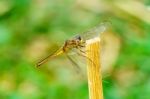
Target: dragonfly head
[80, 39]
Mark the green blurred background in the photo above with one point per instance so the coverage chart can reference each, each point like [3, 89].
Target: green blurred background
[31, 29]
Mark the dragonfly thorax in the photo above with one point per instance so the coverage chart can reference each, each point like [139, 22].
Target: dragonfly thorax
[73, 43]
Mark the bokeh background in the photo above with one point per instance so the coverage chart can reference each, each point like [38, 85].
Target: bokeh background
[32, 29]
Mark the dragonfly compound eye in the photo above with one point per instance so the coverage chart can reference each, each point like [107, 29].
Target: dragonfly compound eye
[79, 38]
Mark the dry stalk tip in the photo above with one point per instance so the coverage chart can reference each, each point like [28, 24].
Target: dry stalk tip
[94, 69]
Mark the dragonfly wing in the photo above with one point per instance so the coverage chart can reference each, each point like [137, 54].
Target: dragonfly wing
[96, 31]
[76, 66]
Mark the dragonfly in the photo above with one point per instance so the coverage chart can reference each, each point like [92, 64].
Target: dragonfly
[77, 42]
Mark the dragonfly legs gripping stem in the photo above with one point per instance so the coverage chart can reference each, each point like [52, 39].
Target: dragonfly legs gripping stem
[83, 55]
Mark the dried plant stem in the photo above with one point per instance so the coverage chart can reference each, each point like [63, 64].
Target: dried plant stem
[94, 69]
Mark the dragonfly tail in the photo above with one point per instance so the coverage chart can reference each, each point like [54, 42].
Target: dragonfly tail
[58, 52]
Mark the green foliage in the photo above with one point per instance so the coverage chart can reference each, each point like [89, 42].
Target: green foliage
[29, 29]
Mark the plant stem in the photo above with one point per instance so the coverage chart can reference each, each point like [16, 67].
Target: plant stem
[94, 69]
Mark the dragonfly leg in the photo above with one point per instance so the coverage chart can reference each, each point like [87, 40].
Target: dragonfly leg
[83, 51]
[83, 55]
[81, 45]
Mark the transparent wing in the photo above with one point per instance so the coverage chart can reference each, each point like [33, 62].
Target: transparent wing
[96, 31]
[75, 65]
